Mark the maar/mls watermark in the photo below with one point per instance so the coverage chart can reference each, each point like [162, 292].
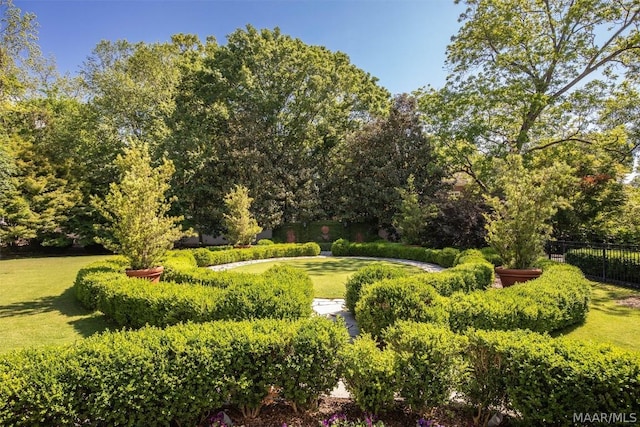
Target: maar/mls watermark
[605, 417]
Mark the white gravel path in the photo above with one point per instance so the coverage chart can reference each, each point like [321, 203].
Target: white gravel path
[423, 265]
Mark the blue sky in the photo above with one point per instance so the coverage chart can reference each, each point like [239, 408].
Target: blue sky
[402, 42]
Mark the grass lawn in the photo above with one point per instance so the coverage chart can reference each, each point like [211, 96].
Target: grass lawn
[37, 303]
[327, 274]
[608, 321]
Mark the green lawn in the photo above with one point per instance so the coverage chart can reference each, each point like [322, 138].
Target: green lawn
[37, 303]
[608, 321]
[38, 307]
[327, 274]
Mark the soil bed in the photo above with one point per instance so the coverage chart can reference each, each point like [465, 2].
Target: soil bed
[277, 414]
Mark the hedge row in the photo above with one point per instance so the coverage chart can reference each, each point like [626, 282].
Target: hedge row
[559, 298]
[443, 257]
[538, 377]
[206, 256]
[196, 294]
[174, 376]
[549, 381]
[472, 272]
[623, 266]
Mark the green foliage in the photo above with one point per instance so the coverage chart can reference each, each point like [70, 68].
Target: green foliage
[620, 264]
[409, 221]
[136, 209]
[519, 225]
[241, 227]
[197, 295]
[428, 362]
[265, 242]
[538, 377]
[382, 303]
[211, 256]
[172, 376]
[366, 169]
[557, 299]
[369, 374]
[370, 274]
[342, 247]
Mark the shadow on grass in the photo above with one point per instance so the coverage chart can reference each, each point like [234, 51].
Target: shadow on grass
[605, 297]
[66, 304]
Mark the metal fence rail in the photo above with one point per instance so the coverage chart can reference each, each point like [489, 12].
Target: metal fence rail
[606, 262]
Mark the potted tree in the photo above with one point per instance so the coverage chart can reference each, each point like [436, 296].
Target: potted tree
[518, 225]
[136, 209]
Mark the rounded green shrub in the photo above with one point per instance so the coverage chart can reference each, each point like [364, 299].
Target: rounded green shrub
[366, 275]
[265, 242]
[544, 379]
[428, 362]
[382, 303]
[369, 374]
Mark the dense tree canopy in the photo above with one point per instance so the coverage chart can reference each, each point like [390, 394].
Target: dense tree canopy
[314, 137]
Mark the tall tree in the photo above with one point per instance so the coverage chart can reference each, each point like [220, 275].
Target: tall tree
[379, 158]
[527, 75]
[274, 108]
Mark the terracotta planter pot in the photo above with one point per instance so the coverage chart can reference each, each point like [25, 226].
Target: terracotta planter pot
[151, 274]
[510, 276]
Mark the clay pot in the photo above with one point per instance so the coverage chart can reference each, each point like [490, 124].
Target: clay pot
[151, 274]
[510, 276]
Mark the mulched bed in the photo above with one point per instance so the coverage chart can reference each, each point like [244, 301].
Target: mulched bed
[633, 302]
[277, 414]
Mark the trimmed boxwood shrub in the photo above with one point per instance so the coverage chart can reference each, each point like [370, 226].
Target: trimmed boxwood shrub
[409, 298]
[428, 362]
[547, 380]
[282, 292]
[471, 274]
[443, 257]
[366, 275]
[206, 257]
[369, 374]
[557, 299]
[173, 376]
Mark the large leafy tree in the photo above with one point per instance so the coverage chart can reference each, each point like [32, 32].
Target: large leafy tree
[274, 108]
[527, 75]
[379, 158]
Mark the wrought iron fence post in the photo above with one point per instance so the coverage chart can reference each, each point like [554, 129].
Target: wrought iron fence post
[604, 261]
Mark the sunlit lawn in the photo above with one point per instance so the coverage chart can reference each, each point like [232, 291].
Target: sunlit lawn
[328, 275]
[608, 321]
[37, 303]
[38, 306]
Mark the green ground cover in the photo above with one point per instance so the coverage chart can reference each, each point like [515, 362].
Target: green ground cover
[328, 275]
[608, 321]
[37, 303]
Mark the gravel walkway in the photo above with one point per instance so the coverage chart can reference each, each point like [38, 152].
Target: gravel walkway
[423, 265]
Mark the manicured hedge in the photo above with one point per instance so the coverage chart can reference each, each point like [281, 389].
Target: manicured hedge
[623, 266]
[559, 298]
[472, 273]
[206, 257]
[422, 364]
[443, 257]
[174, 376]
[548, 380]
[366, 275]
[282, 292]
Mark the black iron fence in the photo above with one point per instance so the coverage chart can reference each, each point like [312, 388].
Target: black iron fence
[606, 262]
